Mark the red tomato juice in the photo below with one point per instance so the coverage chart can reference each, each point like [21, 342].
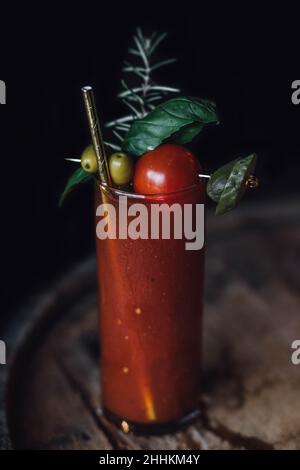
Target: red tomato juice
[150, 304]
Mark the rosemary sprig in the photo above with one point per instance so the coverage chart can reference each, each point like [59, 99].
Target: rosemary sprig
[145, 94]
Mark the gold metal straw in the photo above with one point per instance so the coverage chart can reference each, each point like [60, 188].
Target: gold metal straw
[96, 134]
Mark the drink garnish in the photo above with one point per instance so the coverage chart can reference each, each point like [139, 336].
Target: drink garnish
[228, 184]
[152, 124]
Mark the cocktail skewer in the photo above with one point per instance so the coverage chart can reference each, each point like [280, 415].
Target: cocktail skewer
[204, 176]
[251, 182]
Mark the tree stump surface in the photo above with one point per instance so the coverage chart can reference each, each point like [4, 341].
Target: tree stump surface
[250, 398]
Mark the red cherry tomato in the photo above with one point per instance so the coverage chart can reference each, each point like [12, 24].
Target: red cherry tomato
[165, 169]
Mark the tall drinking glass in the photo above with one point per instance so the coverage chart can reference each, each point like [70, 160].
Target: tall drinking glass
[150, 298]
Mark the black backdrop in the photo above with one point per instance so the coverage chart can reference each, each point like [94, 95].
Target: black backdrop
[245, 57]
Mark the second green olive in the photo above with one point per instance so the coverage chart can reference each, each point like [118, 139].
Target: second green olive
[121, 168]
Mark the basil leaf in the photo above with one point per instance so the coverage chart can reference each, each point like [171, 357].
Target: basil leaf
[179, 118]
[232, 178]
[78, 177]
[218, 180]
[186, 133]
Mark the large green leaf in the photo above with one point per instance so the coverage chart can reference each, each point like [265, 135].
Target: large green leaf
[218, 180]
[78, 177]
[187, 133]
[228, 184]
[178, 120]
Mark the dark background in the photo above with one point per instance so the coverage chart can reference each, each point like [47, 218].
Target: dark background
[245, 57]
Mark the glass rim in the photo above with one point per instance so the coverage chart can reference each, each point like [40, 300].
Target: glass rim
[120, 192]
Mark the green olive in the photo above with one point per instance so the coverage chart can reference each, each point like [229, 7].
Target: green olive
[121, 168]
[89, 160]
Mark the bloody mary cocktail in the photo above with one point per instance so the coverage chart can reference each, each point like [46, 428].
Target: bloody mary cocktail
[151, 287]
[150, 297]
